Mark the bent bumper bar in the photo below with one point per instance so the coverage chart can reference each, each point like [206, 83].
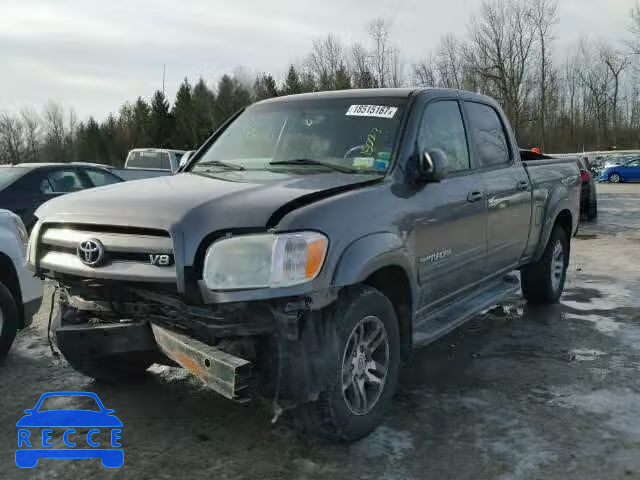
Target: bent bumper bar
[225, 373]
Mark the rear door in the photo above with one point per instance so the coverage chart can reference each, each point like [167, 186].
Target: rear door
[506, 184]
[451, 233]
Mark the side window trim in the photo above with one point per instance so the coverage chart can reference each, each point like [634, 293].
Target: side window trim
[477, 161]
[456, 173]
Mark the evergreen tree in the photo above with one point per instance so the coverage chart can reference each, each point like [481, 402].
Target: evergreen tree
[203, 105]
[365, 80]
[292, 84]
[342, 80]
[160, 121]
[265, 87]
[138, 125]
[89, 142]
[185, 134]
[232, 96]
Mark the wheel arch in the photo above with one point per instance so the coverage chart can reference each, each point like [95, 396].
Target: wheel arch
[9, 278]
[382, 262]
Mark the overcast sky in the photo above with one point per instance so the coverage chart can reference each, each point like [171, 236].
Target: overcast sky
[95, 55]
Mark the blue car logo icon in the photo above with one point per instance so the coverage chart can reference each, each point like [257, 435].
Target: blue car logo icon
[83, 411]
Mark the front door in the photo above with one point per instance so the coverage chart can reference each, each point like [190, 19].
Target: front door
[507, 187]
[630, 172]
[451, 235]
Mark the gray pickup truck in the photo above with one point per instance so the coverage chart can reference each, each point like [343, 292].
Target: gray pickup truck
[308, 248]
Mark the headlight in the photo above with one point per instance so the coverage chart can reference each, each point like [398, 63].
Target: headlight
[266, 260]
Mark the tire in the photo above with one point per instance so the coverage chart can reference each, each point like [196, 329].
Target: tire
[340, 414]
[113, 369]
[543, 281]
[8, 320]
[615, 178]
[592, 213]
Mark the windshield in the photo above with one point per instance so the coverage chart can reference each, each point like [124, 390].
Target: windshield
[353, 134]
[9, 174]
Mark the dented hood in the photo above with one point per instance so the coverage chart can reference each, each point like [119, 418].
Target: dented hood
[197, 203]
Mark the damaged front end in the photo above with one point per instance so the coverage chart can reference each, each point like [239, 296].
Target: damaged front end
[276, 348]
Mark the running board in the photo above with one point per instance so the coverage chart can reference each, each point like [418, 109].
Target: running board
[434, 325]
[225, 373]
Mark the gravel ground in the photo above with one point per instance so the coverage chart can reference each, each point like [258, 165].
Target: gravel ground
[518, 393]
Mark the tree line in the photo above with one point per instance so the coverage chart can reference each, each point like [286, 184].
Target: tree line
[587, 98]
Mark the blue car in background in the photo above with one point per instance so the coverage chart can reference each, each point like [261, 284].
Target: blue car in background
[35, 430]
[627, 172]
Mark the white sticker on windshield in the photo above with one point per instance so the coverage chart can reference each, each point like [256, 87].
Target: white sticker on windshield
[379, 111]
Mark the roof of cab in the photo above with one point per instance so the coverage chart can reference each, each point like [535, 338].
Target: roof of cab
[354, 93]
[373, 93]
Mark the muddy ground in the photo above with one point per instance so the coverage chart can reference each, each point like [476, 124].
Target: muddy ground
[518, 393]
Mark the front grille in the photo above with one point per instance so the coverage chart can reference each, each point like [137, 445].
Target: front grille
[127, 253]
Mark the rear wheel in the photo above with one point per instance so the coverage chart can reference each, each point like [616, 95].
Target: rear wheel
[8, 320]
[543, 281]
[365, 374]
[615, 178]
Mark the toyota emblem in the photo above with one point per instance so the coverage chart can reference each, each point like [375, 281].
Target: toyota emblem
[90, 252]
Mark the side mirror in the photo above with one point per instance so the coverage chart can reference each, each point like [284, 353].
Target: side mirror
[433, 166]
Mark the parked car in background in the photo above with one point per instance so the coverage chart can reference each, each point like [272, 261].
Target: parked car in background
[588, 195]
[150, 162]
[26, 186]
[20, 291]
[627, 172]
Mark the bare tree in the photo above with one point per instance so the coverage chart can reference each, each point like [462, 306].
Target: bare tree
[449, 62]
[54, 131]
[594, 76]
[616, 63]
[501, 52]
[424, 72]
[12, 144]
[360, 67]
[32, 133]
[396, 68]
[327, 55]
[379, 33]
[544, 17]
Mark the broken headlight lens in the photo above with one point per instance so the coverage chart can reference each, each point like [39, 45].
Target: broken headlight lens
[265, 260]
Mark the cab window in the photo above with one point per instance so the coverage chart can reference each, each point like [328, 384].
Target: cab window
[442, 128]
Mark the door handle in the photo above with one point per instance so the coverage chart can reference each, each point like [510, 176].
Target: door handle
[523, 185]
[475, 197]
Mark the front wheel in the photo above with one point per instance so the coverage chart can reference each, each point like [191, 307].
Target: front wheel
[543, 281]
[615, 178]
[365, 374]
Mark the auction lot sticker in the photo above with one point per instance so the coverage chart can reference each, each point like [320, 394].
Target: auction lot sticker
[377, 111]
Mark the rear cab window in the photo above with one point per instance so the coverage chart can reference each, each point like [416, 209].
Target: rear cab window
[149, 160]
[488, 132]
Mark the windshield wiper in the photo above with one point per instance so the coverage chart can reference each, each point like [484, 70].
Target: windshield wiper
[310, 161]
[218, 163]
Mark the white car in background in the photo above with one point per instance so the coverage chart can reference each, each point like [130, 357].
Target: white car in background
[20, 292]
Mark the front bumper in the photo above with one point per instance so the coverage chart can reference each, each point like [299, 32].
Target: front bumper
[226, 374]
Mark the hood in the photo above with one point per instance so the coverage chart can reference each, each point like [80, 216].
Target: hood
[197, 202]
